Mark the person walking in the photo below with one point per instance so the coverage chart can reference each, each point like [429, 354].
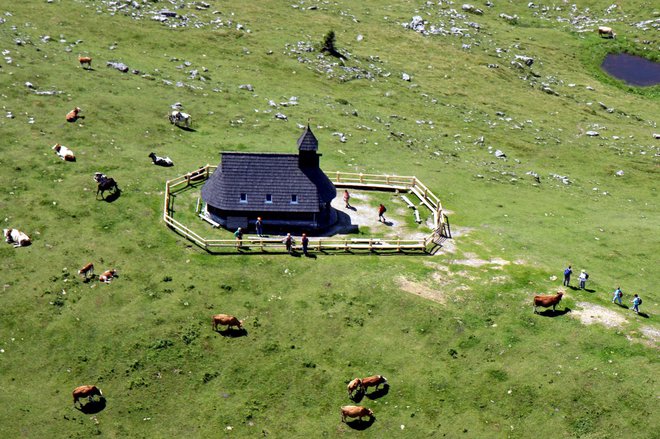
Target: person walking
[381, 212]
[260, 227]
[636, 302]
[305, 243]
[288, 241]
[238, 234]
[617, 295]
[346, 198]
[567, 276]
[583, 279]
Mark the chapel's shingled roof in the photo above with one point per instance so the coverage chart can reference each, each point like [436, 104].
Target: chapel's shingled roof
[261, 174]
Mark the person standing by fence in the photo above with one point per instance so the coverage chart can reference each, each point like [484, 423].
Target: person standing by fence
[305, 243]
[288, 242]
[381, 212]
[260, 227]
[238, 234]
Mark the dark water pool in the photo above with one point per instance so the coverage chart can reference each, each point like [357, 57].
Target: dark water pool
[633, 70]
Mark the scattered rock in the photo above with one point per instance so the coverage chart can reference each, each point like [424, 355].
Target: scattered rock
[247, 87]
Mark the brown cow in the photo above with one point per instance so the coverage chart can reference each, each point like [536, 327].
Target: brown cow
[547, 300]
[72, 115]
[85, 392]
[353, 386]
[375, 380]
[88, 269]
[355, 411]
[85, 60]
[226, 319]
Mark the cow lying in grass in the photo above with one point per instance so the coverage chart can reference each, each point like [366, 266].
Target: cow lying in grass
[72, 115]
[16, 237]
[226, 320]
[65, 153]
[85, 392]
[161, 161]
[547, 300]
[108, 275]
[355, 411]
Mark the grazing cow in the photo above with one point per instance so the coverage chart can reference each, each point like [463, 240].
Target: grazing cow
[547, 300]
[375, 380]
[108, 275]
[16, 237]
[85, 60]
[85, 392]
[226, 319]
[176, 117]
[88, 269]
[65, 153]
[355, 411]
[161, 161]
[104, 183]
[353, 386]
[606, 32]
[72, 115]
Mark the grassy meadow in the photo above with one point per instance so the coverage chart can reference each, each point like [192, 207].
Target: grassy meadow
[453, 332]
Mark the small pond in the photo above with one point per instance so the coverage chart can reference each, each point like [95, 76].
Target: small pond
[633, 70]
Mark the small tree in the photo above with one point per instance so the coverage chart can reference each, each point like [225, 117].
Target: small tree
[328, 44]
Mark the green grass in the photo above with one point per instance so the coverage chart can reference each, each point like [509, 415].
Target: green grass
[476, 363]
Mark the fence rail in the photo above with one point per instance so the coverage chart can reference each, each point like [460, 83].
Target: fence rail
[408, 184]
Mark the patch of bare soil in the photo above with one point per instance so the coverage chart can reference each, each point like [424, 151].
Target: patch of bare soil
[421, 289]
[591, 313]
[653, 334]
[473, 261]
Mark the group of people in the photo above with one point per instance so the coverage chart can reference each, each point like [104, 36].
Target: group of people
[616, 296]
[304, 240]
[288, 240]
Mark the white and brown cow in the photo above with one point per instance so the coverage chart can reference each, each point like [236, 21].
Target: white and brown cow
[65, 153]
[16, 237]
[108, 275]
[87, 270]
[354, 385]
[355, 411]
[72, 115]
[226, 320]
[606, 32]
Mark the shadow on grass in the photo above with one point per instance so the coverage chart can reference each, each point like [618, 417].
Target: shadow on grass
[233, 333]
[191, 130]
[359, 424]
[92, 406]
[357, 396]
[622, 306]
[589, 290]
[643, 314]
[112, 197]
[556, 313]
[378, 393]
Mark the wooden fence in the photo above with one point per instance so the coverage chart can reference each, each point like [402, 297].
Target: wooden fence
[340, 179]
